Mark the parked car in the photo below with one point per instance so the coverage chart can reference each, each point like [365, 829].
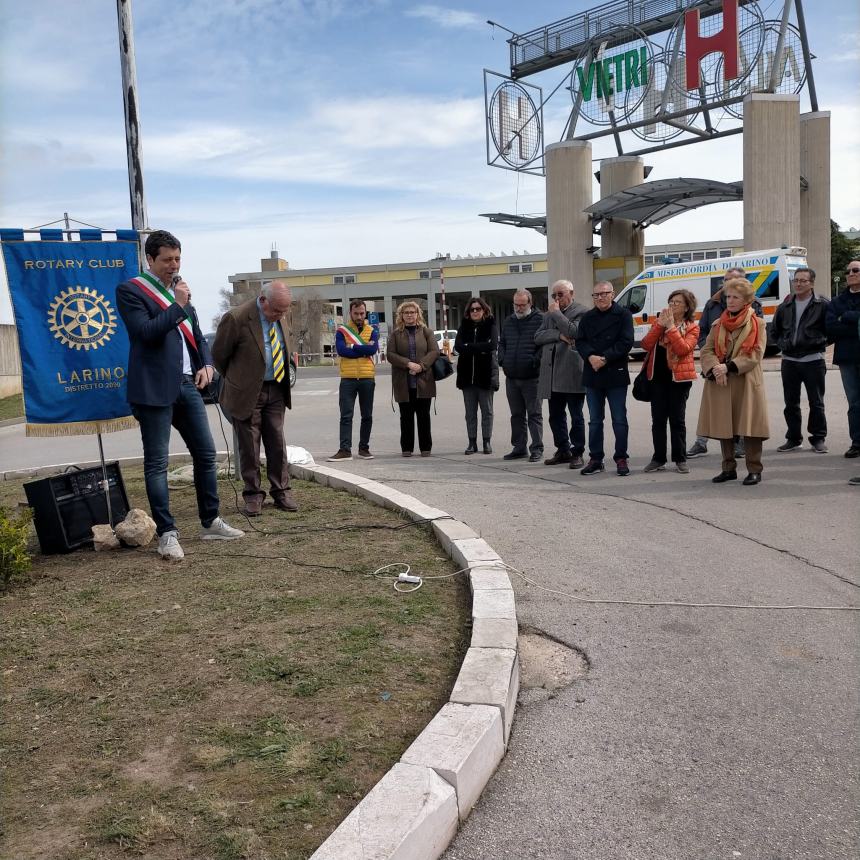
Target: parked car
[442, 335]
[210, 395]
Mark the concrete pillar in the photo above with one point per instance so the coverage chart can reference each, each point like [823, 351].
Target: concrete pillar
[388, 307]
[815, 196]
[569, 234]
[771, 171]
[619, 237]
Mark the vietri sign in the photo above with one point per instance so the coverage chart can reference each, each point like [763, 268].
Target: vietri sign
[608, 76]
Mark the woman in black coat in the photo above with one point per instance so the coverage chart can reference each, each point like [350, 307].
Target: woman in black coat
[478, 370]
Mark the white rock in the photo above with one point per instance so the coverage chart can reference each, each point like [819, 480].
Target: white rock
[137, 529]
[104, 538]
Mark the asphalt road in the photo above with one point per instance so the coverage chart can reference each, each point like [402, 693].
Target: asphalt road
[700, 732]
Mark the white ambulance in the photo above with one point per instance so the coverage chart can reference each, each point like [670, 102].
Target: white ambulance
[770, 272]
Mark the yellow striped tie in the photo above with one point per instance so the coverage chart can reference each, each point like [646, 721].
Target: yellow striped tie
[277, 354]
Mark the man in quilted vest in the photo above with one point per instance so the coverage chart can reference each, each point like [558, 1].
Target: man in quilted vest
[356, 342]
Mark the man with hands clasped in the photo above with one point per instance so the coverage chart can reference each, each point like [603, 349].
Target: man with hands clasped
[560, 379]
[604, 341]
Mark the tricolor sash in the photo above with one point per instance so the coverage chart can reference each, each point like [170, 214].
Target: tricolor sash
[350, 336]
[153, 288]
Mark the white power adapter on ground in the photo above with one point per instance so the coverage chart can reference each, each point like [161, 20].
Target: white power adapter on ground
[405, 577]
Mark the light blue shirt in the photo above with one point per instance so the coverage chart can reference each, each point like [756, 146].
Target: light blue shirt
[269, 375]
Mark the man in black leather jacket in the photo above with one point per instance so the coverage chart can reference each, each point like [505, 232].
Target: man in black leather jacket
[799, 330]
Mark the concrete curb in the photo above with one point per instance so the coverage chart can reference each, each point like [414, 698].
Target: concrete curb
[413, 812]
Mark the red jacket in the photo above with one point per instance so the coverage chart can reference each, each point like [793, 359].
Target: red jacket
[680, 343]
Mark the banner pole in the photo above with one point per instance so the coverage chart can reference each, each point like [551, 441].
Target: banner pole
[105, 482]
[139, 220]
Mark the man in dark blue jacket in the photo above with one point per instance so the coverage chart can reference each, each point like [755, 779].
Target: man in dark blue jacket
[169, 364]
[843, 317]
[604, 341]
[518, 358]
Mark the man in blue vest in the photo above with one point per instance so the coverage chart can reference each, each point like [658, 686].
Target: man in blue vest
[356, 343]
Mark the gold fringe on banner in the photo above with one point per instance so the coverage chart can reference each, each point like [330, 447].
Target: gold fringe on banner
[82, 428]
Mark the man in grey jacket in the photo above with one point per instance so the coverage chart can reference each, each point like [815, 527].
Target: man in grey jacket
[561, 374]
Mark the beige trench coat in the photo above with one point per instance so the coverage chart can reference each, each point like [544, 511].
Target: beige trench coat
[739, 408]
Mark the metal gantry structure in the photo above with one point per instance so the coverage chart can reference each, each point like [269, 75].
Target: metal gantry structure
[640, 89]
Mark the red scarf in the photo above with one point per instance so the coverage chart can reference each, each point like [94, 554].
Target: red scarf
[728, 323]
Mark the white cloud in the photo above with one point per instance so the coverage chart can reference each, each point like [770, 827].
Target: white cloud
[448, 18]
[368, 143]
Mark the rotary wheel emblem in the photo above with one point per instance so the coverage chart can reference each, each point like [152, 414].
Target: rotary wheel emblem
[81, 318]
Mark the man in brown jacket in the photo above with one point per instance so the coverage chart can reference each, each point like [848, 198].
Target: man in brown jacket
[250, 352]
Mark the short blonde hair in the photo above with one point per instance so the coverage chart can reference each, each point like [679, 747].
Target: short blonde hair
[408, 305]
[741, 286]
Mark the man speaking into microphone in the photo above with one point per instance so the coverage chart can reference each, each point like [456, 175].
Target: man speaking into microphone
[168, 365]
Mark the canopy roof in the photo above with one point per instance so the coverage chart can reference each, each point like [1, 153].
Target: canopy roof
[648, 203]
[658, 201]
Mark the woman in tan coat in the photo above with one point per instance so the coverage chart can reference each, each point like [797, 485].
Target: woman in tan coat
[733, 401]
[412, 349]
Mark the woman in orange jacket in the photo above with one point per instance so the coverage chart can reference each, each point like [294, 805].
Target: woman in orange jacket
[671, 371]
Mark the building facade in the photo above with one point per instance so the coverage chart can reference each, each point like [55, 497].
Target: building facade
[320, 295]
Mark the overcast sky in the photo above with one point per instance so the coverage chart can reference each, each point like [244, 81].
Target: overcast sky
[346, 132]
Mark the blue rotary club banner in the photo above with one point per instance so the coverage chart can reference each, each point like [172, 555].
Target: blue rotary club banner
[73, 346]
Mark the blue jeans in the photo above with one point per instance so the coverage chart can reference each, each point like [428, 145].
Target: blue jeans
[349, 388]
[851, 383]
[596, 399]
[559, 405]
[188, 415]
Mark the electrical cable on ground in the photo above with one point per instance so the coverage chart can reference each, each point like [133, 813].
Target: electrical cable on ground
[671, 603]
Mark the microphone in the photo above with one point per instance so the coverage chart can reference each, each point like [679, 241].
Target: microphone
[175, 280]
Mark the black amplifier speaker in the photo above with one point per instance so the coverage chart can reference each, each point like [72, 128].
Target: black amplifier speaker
[67, 506]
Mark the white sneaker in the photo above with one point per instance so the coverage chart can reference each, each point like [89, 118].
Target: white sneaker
[219, 530]
[169, 548]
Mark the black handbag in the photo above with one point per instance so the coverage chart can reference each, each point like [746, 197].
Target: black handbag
[641, 384]
[442, 368]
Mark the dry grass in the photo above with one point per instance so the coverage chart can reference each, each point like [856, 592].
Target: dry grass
[236, 705]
